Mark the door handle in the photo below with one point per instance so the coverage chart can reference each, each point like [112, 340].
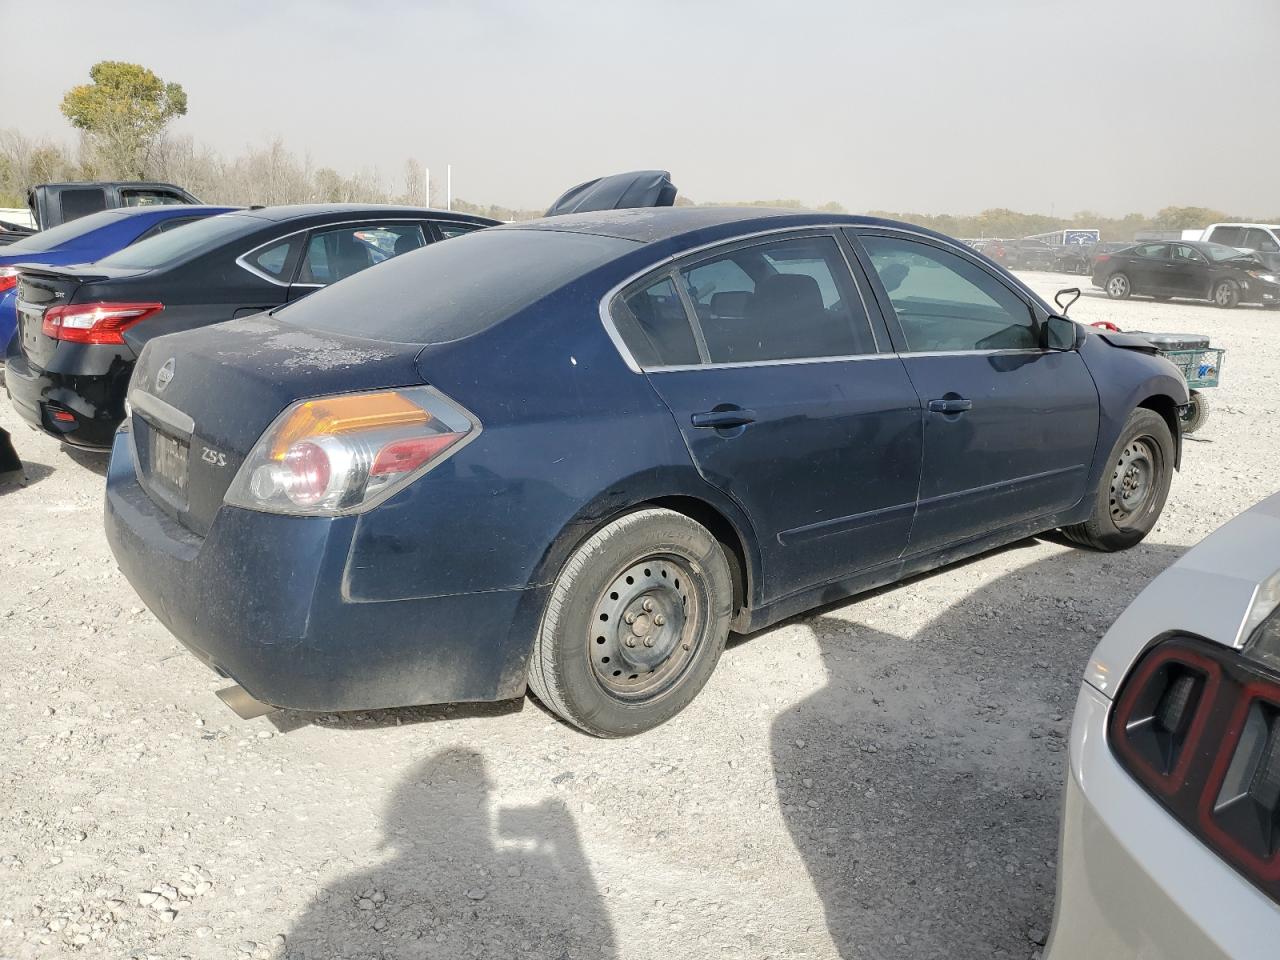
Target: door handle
[950, 406]
[723, 419]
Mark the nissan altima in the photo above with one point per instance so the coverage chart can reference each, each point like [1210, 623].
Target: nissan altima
[571, 455]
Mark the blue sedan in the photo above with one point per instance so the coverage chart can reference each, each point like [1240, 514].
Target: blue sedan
[572, 455]
[85, 240]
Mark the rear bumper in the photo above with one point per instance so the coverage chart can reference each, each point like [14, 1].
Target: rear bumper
[37, 396]
[261, 600]
[1132, 882]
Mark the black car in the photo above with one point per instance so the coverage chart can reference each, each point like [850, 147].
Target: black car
[80, 328]
[1191, 269]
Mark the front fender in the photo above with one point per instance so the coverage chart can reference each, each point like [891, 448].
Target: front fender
[1127, 379]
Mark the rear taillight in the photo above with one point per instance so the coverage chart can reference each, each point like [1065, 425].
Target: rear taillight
[95, 322]
[1101, 258]
[1198, 725]
[8, 278]
[344, 454]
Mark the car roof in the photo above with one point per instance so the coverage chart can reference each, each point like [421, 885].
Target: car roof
[176, 209]
[297, 211]
[653, 224]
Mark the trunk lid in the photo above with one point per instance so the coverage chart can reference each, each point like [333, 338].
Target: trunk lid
[202, 398]
[40, 288]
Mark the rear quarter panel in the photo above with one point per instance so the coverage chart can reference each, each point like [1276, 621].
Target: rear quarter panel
[570, 436]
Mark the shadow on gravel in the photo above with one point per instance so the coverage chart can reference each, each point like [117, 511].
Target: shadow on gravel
[921, 784]
[92, 461]
[465, 878]
[287, 721]
[32, 473]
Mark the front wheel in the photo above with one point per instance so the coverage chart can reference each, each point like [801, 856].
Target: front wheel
[1133, 491]
[635, 624]
[1226, 294]
[1118, 286]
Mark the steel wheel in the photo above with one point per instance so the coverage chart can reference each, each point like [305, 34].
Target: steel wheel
[1134, 481]
[646, 628]
[1225, 295]
[1118, 286]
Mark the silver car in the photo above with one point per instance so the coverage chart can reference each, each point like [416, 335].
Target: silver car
[1171, 821]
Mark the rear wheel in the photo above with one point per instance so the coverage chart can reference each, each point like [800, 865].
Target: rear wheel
[1226, 294]
[1118, 287]
[1133, 492]
[1196, 413]
[635, 624]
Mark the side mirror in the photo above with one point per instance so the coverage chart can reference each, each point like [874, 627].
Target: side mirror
[1058, 333]
[1068, 292]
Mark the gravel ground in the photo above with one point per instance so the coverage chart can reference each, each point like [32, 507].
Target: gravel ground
[880, 779]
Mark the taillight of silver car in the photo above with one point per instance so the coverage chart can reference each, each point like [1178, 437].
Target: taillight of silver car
[1198, 725]
[343, 454]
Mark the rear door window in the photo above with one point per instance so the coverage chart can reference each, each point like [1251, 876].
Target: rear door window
[786, 299]
[1183, 253]
[947, 303]
[1153, 251]
[340, 252]
[82, 201]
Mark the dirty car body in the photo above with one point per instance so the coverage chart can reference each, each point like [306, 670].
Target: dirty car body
[80, 327]
[563, 358]
[1171, 819]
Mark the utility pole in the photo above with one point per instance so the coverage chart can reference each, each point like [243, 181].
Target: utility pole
[448, 188]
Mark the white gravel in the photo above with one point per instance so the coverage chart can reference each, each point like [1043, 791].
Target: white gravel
[880, 779]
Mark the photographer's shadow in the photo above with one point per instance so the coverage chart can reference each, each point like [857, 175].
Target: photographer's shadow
[921, 783]
[468, 878]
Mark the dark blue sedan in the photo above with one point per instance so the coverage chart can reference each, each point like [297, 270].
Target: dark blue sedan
[86, 240]
[572, 455]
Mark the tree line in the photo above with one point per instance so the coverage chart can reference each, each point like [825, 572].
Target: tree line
[123, 114]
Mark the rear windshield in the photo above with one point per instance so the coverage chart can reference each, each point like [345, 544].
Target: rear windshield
[192, 239]
[47, 240]
[455, 288]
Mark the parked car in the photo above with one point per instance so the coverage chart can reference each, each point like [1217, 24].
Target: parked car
[1171, 817]
[54, 203]
[1194, 270]
[83, 241]
[1028, 254]
[80, 328]
[573, 454]
[1261, 239]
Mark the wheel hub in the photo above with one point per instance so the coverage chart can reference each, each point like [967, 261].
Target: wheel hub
[641, 632]
[1131, 482]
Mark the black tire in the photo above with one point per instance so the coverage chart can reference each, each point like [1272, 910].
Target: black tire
[1118, 286]
[1131, 496]
[1196, 414]
[635, 624]
[1225, 294]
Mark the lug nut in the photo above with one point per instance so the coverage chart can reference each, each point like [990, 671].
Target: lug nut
[630, 641]
[630, 618]
[659, 619]
[648, 604]
[648, 641]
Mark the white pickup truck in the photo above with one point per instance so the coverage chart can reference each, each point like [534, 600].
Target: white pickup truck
[1262, 239]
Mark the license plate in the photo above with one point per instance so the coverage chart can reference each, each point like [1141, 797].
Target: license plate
[169, 460]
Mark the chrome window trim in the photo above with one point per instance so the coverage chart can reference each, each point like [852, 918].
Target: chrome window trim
[606, 302]
[681, 367]
[241, 260]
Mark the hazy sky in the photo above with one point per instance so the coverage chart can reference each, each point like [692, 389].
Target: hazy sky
[916, 105]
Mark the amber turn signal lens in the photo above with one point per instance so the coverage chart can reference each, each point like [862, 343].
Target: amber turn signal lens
[332, 416]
